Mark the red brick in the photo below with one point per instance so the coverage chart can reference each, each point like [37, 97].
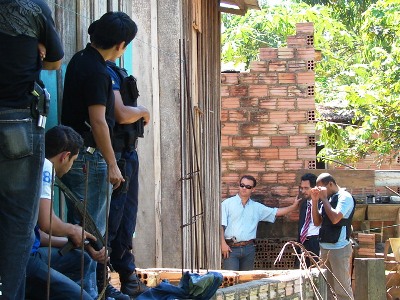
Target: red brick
[294, 164]
[306, 77]
[258, 91]
[224, 115]
[279, 141]
[286, 103]
[305, 53]
[230, 128]
[307, 128]
[269, 177]
[252, 153]
[238, 115]
[258, 66]
[256, 166]
[292, 216]
[286, 78]
[280, 191]
[237, 165]
[278, 117]
[268, 53]
[224, 165]
[306, 103]
[250, 129]
[241, 141]
[230, 154]
[268, 78]
[297, 66]
[248, 78]
[286, 53]
[278, 91]
[268, 103]
[224, 90]
[237, 90]
[230, 178]
[226, 141]
[230, 78]
[261, 141]
[296, 41]
[287, 153]
[287, 129]
[249, 102]
[307, 153]
[269, 153]
[305, 28]
[268, 129]
[287, 178]
[277, 66]
[297, 91]
[275, 165]
[298, 141]
[297, 116]
[259, 116]
[230, 102]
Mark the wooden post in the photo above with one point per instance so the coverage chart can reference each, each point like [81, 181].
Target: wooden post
[369, 279]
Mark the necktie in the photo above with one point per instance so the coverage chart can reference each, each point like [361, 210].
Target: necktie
[307, 221]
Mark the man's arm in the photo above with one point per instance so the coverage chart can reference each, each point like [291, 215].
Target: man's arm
[129, 114]
[51, 65]
[58, 227]
[225, 249]
[102, 138]
[285, 210]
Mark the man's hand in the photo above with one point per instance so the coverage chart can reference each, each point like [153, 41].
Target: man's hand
[225, 249]
[317, 193]
[75, 235]
[115, 175]
[42, 51]
[99, 256]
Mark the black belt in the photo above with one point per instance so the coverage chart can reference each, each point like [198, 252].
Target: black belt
[311, 237]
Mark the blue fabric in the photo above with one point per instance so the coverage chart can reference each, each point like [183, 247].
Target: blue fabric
[241, 222]
[21, 163]
[36, 243]
[241, 258]
[122, 217]
[64, 275]
[191, 286]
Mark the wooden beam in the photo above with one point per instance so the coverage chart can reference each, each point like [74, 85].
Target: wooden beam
[387, 177]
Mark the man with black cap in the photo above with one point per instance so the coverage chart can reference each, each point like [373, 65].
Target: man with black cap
[88, 107]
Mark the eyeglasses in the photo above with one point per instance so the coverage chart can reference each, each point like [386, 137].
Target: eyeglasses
[249, 187]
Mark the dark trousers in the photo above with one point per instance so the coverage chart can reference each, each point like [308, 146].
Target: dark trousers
[122, 218]
[312, 245]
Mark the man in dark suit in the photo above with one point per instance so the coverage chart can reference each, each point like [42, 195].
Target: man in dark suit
[307, 231]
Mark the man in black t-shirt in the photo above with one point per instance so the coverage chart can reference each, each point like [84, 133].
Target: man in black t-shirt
[24, 26]
[88, 107]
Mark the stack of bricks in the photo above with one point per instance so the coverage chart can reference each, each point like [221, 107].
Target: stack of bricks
[268, 120]
[267, 251]
[366, 245]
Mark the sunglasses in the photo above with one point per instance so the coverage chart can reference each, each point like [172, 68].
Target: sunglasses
[249, 187]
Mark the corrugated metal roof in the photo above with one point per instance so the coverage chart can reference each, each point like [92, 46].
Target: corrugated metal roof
[238, 7]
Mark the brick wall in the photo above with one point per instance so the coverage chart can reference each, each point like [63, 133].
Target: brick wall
[268, 121]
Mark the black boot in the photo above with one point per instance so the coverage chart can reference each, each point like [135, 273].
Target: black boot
[110, 292]
[131, 284]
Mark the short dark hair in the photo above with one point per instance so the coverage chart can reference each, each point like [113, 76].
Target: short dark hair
[249, 177]
[112, 29]
[325, 178]
[62, 138]
[312, 178]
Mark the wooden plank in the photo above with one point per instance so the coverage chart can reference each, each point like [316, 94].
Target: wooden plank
[345, 178]
[382, 212]
[387, 178]
[369, 279]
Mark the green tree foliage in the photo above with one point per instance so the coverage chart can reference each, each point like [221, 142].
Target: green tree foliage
[359, 70]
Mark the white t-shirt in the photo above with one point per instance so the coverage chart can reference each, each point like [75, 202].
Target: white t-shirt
[46, 179]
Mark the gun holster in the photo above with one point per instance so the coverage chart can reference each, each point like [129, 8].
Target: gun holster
[41, 104]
